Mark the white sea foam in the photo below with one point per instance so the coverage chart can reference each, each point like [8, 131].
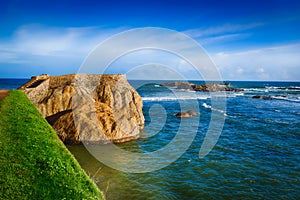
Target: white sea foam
[294, 100]
[239, 94]
[173, 98]
[206, 106]
[232, 95]
[190, 95]
[280, 97]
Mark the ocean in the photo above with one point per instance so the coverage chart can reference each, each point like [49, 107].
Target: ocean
[256, 156]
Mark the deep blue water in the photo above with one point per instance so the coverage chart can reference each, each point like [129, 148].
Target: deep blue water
[257, 155]
[9, 84]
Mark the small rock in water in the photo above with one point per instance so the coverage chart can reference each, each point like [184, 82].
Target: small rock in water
[192, 112]
[189, 113]
[183, 114]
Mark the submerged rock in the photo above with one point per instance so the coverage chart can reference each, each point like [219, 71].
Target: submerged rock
[105, 107]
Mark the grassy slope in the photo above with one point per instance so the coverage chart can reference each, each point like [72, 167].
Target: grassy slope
[34, 163]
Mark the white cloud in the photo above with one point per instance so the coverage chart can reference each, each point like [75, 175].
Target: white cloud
[36, 40]
[260, 70]
[62, 50]
[275, 63]
[153, 71]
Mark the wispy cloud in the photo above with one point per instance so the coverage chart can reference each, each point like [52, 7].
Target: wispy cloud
[220, 30]
[37, 49]
[220, 38]
[227, 32]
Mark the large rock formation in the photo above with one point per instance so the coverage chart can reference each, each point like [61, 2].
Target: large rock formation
[88, 108]
[213, 87]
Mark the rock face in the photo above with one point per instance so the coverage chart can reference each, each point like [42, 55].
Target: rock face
[201, 88]
[88, 108]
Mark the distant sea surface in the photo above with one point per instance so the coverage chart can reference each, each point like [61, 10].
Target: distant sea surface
[256, 157]
[11, 84]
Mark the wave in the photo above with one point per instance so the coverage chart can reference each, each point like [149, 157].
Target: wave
[205, 105]
[293, 100]
[188, 96]
[273, 89]
[286, 98]
[239, 94]
[255, 89]
[280, 97]
[232, 95]
[168, 98]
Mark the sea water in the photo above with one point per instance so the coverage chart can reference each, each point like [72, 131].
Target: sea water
[257, 155]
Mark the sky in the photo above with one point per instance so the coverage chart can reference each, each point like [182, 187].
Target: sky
[247, 40]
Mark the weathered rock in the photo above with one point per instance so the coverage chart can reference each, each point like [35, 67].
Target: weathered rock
[183, 115]
[213, 87]
[103, 108]
[192, 113]
[187, 114]
[35, 81]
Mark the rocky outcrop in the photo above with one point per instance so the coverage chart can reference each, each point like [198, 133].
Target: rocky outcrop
[35, 81]
[187, 114]
[192, 112]
[88, 108]
[183, 115]
[201, 88]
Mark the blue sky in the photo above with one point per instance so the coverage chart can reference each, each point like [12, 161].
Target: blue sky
[247, 40]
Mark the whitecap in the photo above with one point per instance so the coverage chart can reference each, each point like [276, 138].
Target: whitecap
[206, 106]
[294, 100]
[280, 97]
[174, 98]
[214, 109]
[239, 94]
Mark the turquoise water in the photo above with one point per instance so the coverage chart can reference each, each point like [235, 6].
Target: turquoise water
[257, 155]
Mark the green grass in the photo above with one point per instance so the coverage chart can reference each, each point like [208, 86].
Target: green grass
[34, 163]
